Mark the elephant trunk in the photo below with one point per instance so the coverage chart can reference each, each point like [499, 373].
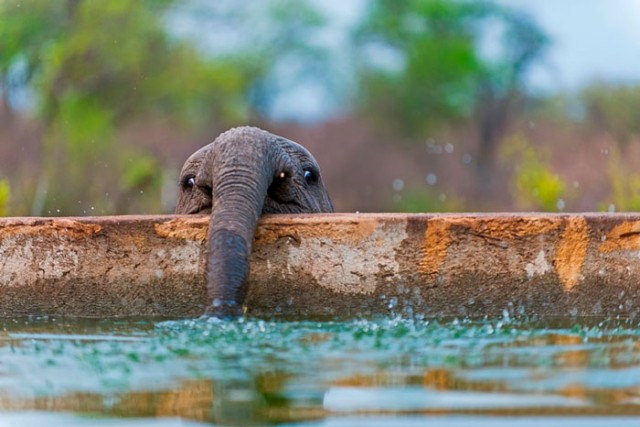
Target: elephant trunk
[242, 171]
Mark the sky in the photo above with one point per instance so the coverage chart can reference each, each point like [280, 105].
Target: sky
[591, 40]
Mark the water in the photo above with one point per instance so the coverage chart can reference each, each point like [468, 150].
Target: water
[387, 371]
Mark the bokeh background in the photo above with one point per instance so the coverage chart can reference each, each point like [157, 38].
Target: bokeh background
[408, 105]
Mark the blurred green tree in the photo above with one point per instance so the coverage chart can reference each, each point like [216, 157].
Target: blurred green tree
[613, 108]
[535, 185]
[625, 185]
[418, 61]
[419, 200]
[278, 42]
[5, 193]
[95, 66]
[422, 64]
[500, 87]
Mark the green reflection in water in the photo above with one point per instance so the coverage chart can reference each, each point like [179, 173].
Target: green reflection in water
[254, 371]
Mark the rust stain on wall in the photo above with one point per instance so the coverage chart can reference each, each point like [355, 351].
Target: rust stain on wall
[194, 228]
[507, 228]
[625, 236]
[47, 227]
[441, 232]
[346, 233]
[572, 252]
[435, 246]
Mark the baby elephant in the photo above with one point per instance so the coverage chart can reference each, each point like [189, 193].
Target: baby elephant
[244, 173]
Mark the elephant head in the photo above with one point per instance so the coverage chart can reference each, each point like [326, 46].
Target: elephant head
[244, 173]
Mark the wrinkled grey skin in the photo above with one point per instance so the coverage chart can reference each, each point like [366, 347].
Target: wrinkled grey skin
[244, 173]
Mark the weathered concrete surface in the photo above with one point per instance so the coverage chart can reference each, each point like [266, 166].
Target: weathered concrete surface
[336, 264]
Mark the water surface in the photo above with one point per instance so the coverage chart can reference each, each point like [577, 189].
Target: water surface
[386, 371]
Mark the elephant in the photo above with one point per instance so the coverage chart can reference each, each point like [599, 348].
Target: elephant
[244, 173]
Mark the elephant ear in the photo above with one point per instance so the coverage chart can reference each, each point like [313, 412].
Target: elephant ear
[300, 188]
[194, 186]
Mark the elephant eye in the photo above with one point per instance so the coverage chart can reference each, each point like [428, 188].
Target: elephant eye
[310, 176]
[189, 182]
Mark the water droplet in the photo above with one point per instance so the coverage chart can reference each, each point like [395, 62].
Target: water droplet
[466, 159]
[398, 184]
[432, 179]
[214, 319]
[433, 146]
[612, 208]
[560, 204]
[448, 148]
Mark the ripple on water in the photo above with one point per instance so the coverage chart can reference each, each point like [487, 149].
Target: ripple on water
[258, 371]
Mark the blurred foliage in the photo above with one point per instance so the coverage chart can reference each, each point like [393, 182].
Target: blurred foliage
[560, 109]
[625, 185]
[501, 88]
[141, 173]
[140, 182]
[95, 66]
[450, 60]
[614, 108]
[422, 63]
[94, 69]
[418, 61]
[535, 186]
[5, 193]
[287, 47]
[275, 42]
[114, 56]
[425, 200]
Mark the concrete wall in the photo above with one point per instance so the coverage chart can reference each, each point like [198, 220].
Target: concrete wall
[319, 265]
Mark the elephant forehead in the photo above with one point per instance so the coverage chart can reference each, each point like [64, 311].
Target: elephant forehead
[239, 139]
[196, 159]
[295, 149]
